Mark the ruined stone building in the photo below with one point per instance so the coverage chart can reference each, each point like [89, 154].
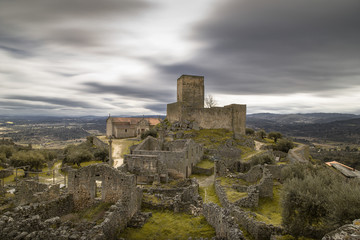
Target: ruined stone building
[154, 160]
[190, 107]
[119, 127]
[115, 186]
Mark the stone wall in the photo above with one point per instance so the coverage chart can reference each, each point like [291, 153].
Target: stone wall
[265, 186]
[26, 189]
[258, 230]
[116, 185]
[99, 143]
[275, 171]
[176, 157]
[179, 199]
[119, 215]
[221, 220]
[253, 175]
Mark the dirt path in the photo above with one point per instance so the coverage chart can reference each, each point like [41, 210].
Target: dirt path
[116, 154]
[258, 145]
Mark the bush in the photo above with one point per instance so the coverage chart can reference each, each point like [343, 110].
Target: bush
[316, 200]
[267, 158]
[283, 145]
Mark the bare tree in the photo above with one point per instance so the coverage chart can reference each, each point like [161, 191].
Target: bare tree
[210, 101]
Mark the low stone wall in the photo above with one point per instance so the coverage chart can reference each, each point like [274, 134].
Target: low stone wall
[58, 207]
[253, 175]
[26, 189]
[275, 171]
[100, 143]
[259, 230]
[251, 200]
[265, 186]
[221, 220]
[179, 199]
[203, 171]
[117, 217]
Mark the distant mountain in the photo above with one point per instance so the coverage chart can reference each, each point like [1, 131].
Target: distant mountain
[306, 118]
[325, 126]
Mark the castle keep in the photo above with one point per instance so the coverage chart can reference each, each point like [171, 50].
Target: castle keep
[190, 107]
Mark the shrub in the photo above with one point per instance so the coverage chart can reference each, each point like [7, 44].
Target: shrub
[283, 145]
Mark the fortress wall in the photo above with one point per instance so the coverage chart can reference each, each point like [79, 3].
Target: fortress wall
[211, 118]
[238, 118]
[174, 112]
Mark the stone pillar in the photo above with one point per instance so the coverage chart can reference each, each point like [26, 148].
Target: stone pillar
[111, 161]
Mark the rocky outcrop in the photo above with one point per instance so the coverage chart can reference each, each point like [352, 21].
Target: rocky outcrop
[348, 231]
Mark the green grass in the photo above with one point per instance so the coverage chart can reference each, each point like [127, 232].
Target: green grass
[207, 164]
[211, 138]
[246, 151]
[234, 195]
[84, 164]
[231, 193]
[269, 210]
[169, 225]
[126, 144]
[95, 213]
[11, 178]
[211, 196]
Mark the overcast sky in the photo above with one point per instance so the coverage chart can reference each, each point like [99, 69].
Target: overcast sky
[91, 57]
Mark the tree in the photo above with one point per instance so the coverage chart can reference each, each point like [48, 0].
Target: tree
[275, 136]
[34, 159]
[261, 134]
[78, 156]
[210, 101]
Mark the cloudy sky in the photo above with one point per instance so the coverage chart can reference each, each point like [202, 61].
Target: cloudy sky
[91, 57]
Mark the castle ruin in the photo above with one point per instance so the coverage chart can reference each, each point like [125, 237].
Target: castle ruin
[190, 107]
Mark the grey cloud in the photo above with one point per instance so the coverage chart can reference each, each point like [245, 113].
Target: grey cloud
[277, 46]
[54, 101]
[161, 108]
[146, 91]
[22, 105]
[28, 24]
[19, 53]
[55, 10]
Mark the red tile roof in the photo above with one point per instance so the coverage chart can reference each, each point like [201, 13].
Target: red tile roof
[133, 121]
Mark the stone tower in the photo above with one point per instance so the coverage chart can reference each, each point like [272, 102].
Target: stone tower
[190, 91]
